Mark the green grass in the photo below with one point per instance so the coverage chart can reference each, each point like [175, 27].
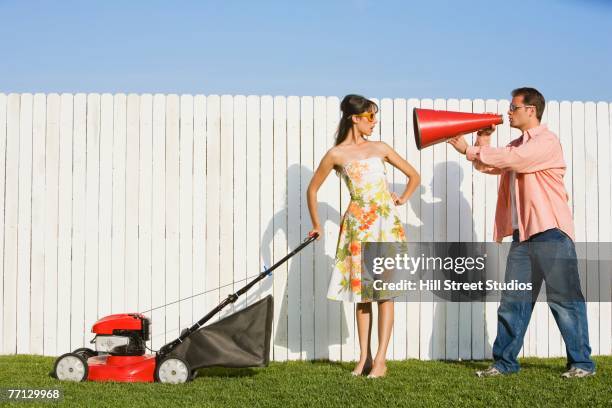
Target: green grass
[329, 384]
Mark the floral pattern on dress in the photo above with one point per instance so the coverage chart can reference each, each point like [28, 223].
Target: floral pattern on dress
[371, 216]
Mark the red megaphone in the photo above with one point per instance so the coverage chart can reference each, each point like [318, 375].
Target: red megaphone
[435, 126]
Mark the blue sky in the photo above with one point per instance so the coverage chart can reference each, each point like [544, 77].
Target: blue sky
[434, 48]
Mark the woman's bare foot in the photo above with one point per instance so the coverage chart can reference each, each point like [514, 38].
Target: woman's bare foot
[379, 369]
[363, 367]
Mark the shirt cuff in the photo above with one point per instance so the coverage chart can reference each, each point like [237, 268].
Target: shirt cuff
[471, 152]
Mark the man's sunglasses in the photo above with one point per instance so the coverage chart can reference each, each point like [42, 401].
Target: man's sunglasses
[514, 107]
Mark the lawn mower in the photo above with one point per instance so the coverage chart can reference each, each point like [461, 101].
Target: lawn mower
[239, 340]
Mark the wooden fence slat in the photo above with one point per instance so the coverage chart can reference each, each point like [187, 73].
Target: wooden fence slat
[158, 228]
[579, 182]
[386, 124]
[471, 228]
[199, 205]
[64, 224]
[428, 200]
[455, 211]
[554, 335]
[266, 212]
[52, 149]
[131, 201]
[279, 227]
[541, 311]
[491, 186]
[565, 135]
[303, 174]
[3, 114]
[481, 199]
[79, 215]
[240, 209]
[37, 273]
[173, 260]
[92, 210]
[440, 228]
[3, 104]
[145, 202]
[226, 207]
[105, 215]
[213, 200]
[322, 260]
[591, 291]
[291, 176]
[413, 234]
[11, 214]
[337, 319]
[253, 183]
[185, 275]
[604, 218]
[24, 224]
[118, 230]
[398, 183]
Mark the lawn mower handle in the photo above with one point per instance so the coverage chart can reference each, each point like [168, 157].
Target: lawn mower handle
[232, 298]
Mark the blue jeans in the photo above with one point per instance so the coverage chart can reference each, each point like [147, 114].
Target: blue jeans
[549, 256]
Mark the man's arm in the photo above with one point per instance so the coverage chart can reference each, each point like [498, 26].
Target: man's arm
[483, 168]
[483, 139]
[540, 153]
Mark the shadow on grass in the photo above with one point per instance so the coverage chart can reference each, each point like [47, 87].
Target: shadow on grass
[226, 372]
[346, 366]
[480, 364]
[328, 363]
[249, 372]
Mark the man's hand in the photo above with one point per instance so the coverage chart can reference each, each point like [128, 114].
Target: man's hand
[483, 136]
[459, 143]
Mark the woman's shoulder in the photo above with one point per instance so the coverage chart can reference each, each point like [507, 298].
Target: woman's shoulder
[381, 144]
[334, 156]
[380, 147]
[334, 152]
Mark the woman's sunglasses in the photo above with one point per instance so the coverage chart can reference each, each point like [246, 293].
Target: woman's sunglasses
[369, 115]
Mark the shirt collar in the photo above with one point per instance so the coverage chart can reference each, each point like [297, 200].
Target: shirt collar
[533, 132]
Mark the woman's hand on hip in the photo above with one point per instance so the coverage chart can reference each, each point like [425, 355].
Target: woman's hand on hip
[397, 200]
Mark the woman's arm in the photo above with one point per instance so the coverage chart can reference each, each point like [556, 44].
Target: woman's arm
[414, 178]
[319, 176]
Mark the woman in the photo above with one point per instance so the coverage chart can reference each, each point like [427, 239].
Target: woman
[371, 217]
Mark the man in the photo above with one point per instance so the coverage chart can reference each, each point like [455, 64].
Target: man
[532, 206]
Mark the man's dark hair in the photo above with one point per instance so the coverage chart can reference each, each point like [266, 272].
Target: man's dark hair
[532, 96]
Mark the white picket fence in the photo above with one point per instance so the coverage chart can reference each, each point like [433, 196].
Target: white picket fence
[120, 203]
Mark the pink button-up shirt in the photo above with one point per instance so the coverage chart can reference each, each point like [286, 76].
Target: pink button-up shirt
[541, 198]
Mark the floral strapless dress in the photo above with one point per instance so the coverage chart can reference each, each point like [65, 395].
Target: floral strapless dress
[371, 216]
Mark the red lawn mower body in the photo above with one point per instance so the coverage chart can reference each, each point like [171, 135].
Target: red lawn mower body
[122, 368]
[120, 352]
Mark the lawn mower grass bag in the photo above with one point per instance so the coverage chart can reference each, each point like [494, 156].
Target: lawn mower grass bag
[239, 340]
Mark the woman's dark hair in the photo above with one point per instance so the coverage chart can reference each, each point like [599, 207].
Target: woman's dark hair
[352, 105]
